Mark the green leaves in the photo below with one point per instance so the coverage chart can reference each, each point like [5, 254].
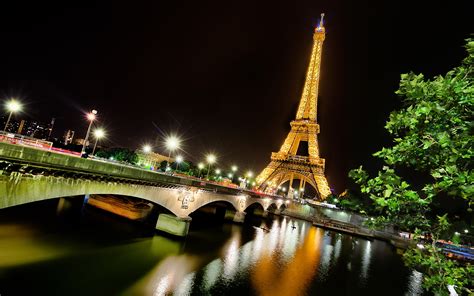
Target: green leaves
[434, 134]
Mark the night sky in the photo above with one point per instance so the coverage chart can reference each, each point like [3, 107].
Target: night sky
[225, 77]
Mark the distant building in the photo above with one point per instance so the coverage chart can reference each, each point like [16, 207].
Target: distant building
[80, 141]
[68, 137]
[151, 159]
[28, 128]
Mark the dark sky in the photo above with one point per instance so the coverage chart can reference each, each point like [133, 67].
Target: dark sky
[225, 77]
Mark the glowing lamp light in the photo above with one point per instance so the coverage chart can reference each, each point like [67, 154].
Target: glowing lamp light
[179, 159]
[229, 175]
[172, 143]
[250, 174]
[211, 158]
[200, 165]
[466, 231]
[147, 148]
[91, 116]
[218, 171]
[234, 168]
[99, 133]
[13, 106]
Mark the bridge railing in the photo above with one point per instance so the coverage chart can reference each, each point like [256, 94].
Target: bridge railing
[24, 140]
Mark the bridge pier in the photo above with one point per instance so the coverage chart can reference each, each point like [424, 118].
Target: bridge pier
[277, 212]
[239, 217]
[178, 226]
[234, 216]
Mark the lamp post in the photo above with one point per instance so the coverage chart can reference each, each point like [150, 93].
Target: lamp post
[200, 167]
[98, 134]
[179, 159]
[171, 143]
[11, 106]
[91, 117]
[211, 158]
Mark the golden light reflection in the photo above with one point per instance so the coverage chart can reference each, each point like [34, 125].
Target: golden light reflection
[270, 278]
[171, 274]
[231, 256]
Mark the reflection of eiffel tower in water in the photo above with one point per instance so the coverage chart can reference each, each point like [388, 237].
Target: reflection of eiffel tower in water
[286, 165]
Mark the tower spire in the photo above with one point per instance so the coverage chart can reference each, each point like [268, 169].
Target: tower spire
[321, 21]
[309, 99]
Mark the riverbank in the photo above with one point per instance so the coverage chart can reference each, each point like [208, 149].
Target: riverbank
[355, 229]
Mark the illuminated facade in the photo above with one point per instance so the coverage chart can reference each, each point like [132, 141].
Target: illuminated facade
[286, 165]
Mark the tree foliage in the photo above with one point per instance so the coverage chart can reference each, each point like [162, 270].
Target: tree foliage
[433, 135]
[119, 154]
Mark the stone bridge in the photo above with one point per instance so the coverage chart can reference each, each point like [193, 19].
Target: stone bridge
[29, 175]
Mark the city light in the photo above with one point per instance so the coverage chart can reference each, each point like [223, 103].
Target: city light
[200, 167]
[12, 106]
[230, 175]
[466, 231]
[146, 148]
[218, 171]
[250, 174]
[234, 168]
[98, 134]
[211, 158]
[179, 159]
[172, 143]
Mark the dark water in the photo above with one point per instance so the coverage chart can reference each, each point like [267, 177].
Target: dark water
[89, 252]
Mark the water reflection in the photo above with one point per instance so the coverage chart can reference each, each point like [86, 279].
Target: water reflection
[279, 257]
[414, 284]
[366, 259]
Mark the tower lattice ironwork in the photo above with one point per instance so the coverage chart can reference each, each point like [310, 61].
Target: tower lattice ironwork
[286, 165]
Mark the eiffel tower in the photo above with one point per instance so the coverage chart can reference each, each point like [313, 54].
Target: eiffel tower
[286, 165]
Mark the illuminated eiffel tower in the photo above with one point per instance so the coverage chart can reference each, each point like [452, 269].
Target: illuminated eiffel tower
[286, 165]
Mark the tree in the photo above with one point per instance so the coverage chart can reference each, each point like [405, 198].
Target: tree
[433, 137]
[119, 154]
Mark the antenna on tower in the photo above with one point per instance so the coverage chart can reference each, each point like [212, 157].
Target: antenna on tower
[321, 22]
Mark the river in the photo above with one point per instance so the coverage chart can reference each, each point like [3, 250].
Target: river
[90, 252]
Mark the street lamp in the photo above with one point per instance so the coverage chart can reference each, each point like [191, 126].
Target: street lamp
[200, 167]
[230, 175]
[12, 106]
[249, 174]
[211, 158]
[234, 168]
[91, 117]
[172, 143]
[179, 159]
[98, 134]
[146, 148]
